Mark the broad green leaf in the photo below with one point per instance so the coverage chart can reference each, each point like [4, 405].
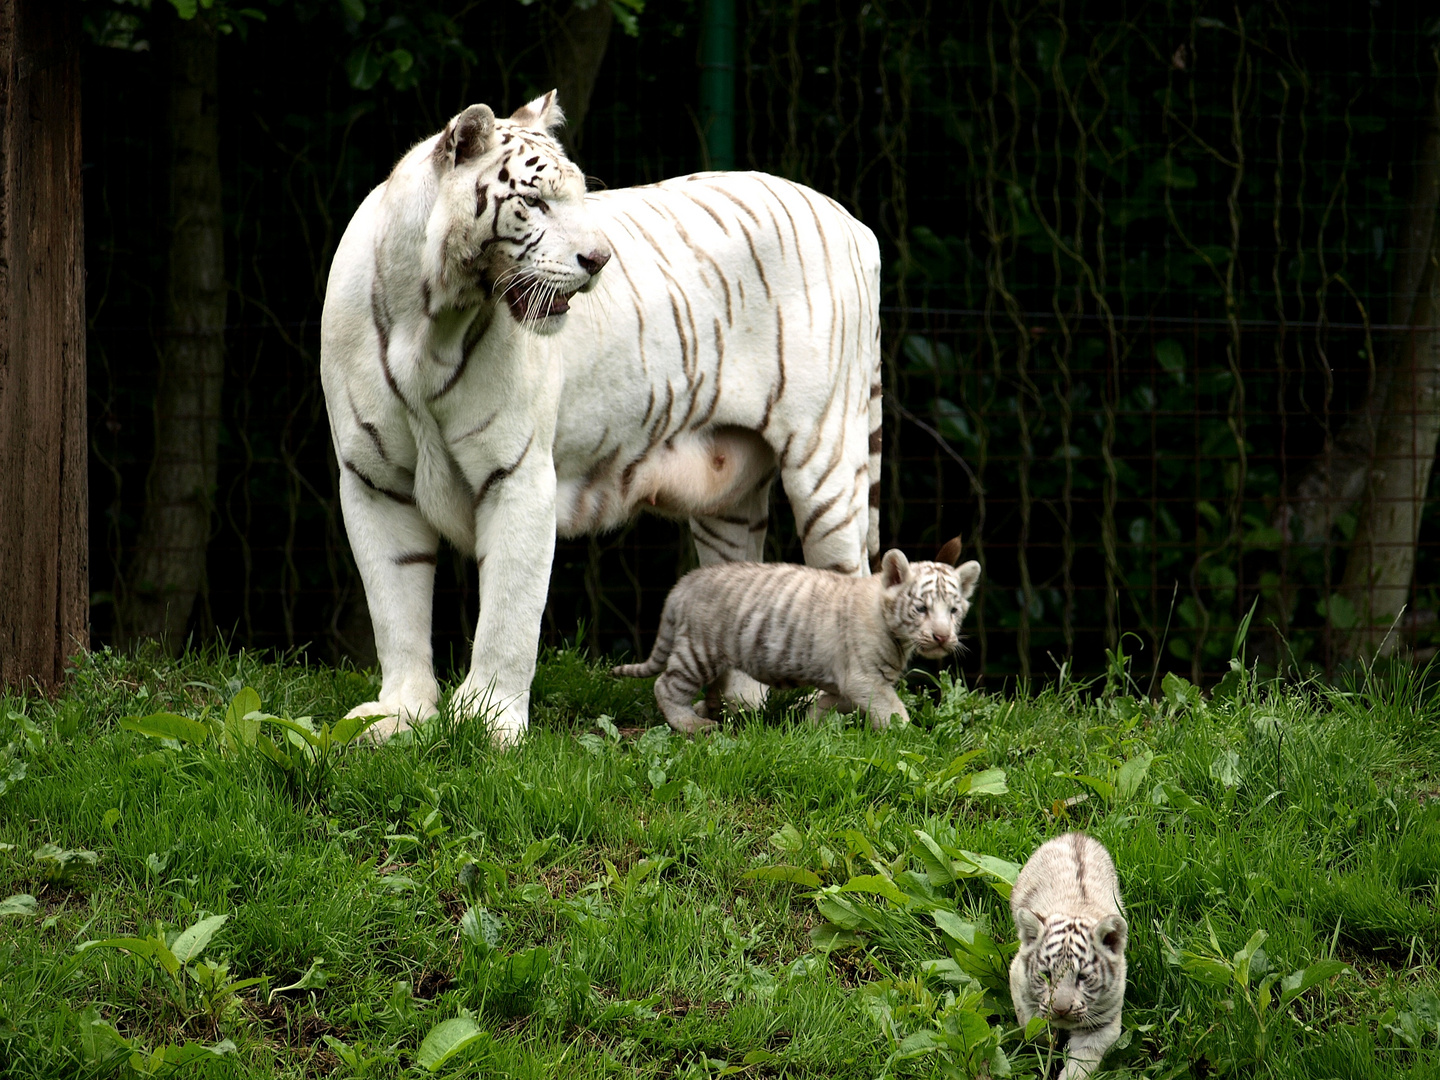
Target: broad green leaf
[362, 67]
[349, 728]
[448, 1039]
[1104, 788]
[240, 729]
[987, 782]
[1207, 970]
[918, 1043]
[787, 838]
[313, 979]
[291, 727]
[168, 726]
[857, 843]
[838, 911]
[537, 851]
[759, 1057]
[1185, 804]
[111, 818]
[958, 765]
[19, 904]
[1131, 775]
[951, 925]
[1242, 958]
[1003, 869]
[935, 861]
[99, 1041]
[354, 8]
[1298, 982]
[529, 966]
[193, 940]
[794, 875]
[875, 885]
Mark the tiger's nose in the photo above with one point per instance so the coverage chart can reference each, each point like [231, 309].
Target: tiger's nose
[593, 263]
[941, 636]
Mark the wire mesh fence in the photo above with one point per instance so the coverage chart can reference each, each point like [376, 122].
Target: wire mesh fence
[1155, 316]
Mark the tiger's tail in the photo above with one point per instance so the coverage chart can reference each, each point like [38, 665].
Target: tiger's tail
[664, 642]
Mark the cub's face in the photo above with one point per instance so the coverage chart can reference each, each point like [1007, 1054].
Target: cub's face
[926, 602]
[510, 220]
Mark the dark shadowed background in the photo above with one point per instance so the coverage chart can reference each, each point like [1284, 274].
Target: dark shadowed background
[1159, 321]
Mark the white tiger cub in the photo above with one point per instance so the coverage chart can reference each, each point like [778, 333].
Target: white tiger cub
[789, 625]
[485, 386]
[1070, 969]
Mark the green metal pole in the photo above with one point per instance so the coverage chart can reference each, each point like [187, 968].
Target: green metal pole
[717, 82]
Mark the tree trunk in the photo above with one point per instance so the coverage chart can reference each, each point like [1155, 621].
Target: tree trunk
[168, 568]
[1381, 561]
[575, 46]
[44, 538]
[1335, 481]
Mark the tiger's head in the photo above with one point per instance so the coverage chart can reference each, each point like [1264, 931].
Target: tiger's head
[925, 602]
[509, 220]
[1073, 966]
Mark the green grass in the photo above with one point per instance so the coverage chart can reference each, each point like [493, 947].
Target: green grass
[580, 906]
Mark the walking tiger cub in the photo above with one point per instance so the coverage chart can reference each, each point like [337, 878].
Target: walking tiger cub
[790, 625]
[1070, 969]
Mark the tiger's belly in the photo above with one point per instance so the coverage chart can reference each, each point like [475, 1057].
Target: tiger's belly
[689, 474]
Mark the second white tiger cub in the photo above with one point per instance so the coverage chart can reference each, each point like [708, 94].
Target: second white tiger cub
[1070, 969]
[790, 625]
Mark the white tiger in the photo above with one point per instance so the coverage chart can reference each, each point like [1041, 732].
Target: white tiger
[790, 625]
[1070, 968]
[735, 337]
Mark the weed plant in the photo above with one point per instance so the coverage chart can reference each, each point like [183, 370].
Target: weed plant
[776, 899]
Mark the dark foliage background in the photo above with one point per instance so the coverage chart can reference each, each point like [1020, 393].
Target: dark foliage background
[1138, 261]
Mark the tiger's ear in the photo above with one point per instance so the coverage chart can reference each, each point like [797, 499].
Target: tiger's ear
[894, 568]
[542, 114]
[466, 137]
[1111, 933]
[950, 552]
[1028, 925]
[969, 574]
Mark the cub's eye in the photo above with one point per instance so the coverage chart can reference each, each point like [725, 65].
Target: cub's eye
[532, 200]
[954, 611]
[921, 609]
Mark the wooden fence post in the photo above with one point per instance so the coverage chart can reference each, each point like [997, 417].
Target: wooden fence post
[44, 534]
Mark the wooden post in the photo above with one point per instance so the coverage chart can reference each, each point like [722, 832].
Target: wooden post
[44, 535]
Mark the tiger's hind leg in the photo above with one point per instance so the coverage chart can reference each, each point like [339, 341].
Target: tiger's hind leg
[738, 535]
[674, 692]
[827, 478]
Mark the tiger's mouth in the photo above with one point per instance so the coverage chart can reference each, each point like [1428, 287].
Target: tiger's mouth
[532, 300]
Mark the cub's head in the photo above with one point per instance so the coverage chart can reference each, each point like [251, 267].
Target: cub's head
[509, 220]
[1074, 968]
[926, 601]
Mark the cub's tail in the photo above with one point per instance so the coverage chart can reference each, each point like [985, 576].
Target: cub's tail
[664, 642]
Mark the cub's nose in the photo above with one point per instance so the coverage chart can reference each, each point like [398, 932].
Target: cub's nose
[593, 263]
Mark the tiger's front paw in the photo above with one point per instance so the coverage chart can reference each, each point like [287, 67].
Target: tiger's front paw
[506, 717]
[392, 721]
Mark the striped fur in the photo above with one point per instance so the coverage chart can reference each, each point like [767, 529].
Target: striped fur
[789, 625]
[486, 384]
[1071, 965]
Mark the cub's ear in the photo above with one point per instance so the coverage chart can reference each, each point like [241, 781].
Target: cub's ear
[950, 553]
[542, 114]
[1111, 933]
[1028, 925]
[894, 568]
[969, 574]
[466, 137]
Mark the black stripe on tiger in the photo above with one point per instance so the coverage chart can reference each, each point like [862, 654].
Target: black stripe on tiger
[415, 558]
[398, 496]
[500, 474]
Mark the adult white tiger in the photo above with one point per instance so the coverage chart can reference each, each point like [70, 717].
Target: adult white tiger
[736, 336]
